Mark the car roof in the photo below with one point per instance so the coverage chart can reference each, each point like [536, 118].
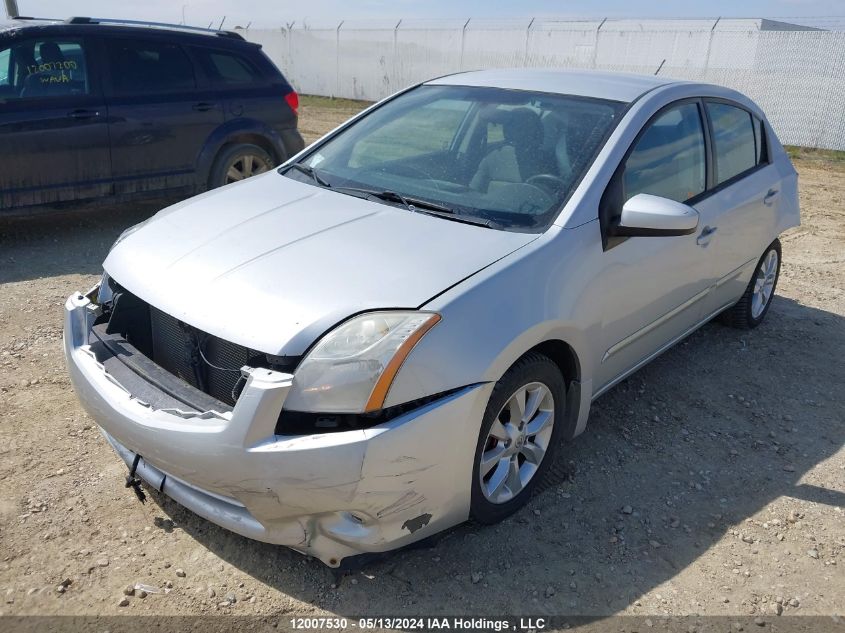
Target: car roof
[125, 28]
[583, 83]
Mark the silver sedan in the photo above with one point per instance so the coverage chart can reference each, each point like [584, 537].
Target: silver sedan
[401, 327]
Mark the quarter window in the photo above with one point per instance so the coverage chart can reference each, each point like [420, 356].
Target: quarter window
[734, 140]
[228, 68]
[668, 159]
[142, 67]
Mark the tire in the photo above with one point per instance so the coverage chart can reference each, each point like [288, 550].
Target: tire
[751, 309]
[533, 376]
[244, 159]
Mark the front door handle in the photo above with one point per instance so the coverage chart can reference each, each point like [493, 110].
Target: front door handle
[767, 199]
[203, 106]
[83, 114]
[703, 238]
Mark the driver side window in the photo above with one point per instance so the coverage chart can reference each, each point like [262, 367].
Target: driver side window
[668, 159]
[43, 67]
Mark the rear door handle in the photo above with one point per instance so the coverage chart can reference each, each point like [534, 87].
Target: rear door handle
[83, 114]
[203, 106]
[767, 199]
[703, 238]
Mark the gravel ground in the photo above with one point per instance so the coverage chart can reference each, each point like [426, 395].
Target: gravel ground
[711, 482]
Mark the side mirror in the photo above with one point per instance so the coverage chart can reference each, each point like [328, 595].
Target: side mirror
[652, 216]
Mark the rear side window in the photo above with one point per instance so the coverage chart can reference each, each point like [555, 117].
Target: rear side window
[145, 67]
[225, 67]
[668, 159]
[43, 68]
[734, 140]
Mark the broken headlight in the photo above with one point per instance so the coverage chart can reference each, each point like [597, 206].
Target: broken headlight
[105, 290]
[350, 370]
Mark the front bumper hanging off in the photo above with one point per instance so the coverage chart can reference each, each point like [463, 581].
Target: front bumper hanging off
[330, 495]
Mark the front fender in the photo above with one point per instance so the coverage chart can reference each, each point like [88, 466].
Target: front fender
[491, 319]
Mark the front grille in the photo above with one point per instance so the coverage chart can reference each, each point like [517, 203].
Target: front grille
[202, 360]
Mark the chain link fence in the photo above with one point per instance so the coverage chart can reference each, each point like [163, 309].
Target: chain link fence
[796, 76]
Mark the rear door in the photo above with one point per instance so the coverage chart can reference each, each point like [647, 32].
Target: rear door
[740, 210]
[250, 87]
[53, 123]
[160, 115]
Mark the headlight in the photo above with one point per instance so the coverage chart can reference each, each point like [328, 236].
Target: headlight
[351, 369]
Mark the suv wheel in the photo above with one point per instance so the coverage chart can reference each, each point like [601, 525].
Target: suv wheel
[520, 432]
[239, 162]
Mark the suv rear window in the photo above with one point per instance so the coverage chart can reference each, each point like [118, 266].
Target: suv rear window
[225, 67]
[144, 67]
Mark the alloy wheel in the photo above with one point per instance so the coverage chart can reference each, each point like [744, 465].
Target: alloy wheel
[764, 284]
[517, 442]
[245, 166]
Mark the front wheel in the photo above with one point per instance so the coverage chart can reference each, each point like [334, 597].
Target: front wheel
[519, 434]
[237, 163]
[752, 307]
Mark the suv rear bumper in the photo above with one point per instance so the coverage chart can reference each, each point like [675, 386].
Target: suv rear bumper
[330, 495]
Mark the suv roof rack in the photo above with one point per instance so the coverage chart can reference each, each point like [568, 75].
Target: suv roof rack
[30, 18]
[167, 25]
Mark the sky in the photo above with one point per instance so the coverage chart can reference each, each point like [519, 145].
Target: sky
[275, 13]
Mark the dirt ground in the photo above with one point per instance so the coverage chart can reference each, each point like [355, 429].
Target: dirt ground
[711, 482]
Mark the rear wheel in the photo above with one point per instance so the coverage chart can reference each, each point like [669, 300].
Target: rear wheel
[519, 435]
[239, 162]
[752, 307]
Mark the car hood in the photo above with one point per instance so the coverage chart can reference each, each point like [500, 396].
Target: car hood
[272, 263]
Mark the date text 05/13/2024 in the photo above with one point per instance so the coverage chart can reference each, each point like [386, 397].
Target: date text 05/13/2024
[421, 623]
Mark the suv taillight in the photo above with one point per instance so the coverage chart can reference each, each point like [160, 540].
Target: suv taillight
[292, 99]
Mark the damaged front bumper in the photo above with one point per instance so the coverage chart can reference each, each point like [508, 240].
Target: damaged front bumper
[331, 495]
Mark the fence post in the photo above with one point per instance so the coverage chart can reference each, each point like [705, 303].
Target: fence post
[289, 26]
[337, 59]
[12, 8]
[463, 41]
[395, 50]
[527, 38]
[596, 42]
[709, 46]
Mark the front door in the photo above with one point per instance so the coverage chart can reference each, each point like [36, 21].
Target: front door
[653, 287]
[53, 123]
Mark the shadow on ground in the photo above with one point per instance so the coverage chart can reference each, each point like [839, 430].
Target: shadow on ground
[696, 443]
[76, 241]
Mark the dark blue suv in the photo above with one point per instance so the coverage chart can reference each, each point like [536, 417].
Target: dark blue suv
[94, 109]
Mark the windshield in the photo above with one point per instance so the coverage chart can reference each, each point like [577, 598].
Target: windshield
[507, 157]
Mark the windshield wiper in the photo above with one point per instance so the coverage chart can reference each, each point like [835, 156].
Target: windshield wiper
[412, 204]
[417, 205]
[310, 171]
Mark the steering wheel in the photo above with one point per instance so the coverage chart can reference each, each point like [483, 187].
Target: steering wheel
[547, 182]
